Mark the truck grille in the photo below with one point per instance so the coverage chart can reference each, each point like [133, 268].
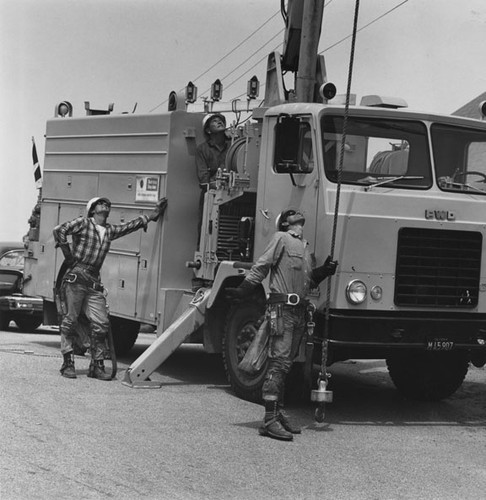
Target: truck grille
[438, 268]
[230, 247]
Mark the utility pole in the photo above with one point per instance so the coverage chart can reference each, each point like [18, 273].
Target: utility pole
[311, 31]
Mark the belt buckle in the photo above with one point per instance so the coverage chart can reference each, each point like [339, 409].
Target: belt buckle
[70, 278]
[293, 299]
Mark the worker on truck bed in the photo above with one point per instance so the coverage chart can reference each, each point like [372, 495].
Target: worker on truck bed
[211, 155]
[83, 291]
[291, 277]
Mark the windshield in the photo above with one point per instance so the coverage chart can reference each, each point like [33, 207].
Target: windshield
[460, 158]
[389, 153]
[15, 258]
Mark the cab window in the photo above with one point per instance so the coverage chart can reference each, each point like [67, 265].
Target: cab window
[460, 158]
[376, 151]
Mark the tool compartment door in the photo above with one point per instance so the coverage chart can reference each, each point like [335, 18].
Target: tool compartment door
[119, 276]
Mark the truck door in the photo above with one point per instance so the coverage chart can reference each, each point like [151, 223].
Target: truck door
[290, 178]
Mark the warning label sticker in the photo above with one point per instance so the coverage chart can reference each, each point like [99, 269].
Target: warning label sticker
[147, 188]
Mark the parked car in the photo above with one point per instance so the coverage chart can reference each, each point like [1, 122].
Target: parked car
[27, 312]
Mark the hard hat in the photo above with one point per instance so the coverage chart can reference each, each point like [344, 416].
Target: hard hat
[93, 202]
[209, 118]
[288, 218]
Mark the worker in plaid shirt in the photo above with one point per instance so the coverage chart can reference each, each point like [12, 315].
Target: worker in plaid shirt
[82, 288]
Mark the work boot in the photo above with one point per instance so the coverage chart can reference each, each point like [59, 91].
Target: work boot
[287, 423]
[271, 426]
[97, 370]
[67, 369]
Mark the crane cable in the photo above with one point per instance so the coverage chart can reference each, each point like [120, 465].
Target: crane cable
[323, 375]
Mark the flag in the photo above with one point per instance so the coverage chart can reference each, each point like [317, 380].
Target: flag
[37, 169]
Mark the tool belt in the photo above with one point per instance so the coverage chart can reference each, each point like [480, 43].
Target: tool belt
[83, 279]
[287, 299]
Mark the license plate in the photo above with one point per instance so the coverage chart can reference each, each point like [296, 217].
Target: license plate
[440, 345]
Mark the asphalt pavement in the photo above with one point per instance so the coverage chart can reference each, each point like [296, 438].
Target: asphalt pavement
[193, 439]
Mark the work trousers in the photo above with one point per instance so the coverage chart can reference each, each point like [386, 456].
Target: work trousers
[282, 350]
[79, 298]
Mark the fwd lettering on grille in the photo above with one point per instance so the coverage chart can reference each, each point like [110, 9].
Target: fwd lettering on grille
[440, 215]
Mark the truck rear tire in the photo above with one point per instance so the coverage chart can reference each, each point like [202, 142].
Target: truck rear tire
[28, 323]
[125, 333]
[241, 326]
[428, 376]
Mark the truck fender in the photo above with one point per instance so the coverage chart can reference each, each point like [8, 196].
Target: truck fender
[227, 270]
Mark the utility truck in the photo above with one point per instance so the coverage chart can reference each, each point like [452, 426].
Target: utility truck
[402, 192]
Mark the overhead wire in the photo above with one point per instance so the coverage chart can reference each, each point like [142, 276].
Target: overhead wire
[284, 16]
[328, 48]
[245, 72]
[226, 55]
[247, 59]
[237, 47]
[364, 27]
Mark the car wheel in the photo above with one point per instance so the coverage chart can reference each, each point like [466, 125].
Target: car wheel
[4, 321]
[28, 324]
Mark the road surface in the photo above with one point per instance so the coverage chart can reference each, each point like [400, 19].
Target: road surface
[193, 439]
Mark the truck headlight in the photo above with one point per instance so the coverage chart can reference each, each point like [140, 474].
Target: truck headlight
[356, 292]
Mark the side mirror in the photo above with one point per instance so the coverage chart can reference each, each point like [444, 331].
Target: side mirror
[287, 134]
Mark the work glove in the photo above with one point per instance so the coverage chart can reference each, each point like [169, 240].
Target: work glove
[241, 292]
[327, 269]
[158, 210]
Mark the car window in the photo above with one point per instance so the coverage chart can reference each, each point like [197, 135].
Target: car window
[14, 258]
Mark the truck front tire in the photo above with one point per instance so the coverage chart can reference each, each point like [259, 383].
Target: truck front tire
[241, 326]
[427, 376]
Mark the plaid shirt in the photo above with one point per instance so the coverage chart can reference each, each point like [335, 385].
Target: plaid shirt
[87, 248]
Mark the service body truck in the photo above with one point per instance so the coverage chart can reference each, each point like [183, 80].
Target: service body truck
[408, 229]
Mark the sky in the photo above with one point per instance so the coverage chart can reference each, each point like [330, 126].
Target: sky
[133, 53]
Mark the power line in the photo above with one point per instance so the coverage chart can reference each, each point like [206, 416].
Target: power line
[266, 55]
[225, 56]
[259, 61]
[326, 49]
[363, 27]
[237, 47]
[246, 60]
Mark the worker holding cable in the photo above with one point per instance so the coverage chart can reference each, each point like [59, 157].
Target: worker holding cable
[289, 263]
[82, 288]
